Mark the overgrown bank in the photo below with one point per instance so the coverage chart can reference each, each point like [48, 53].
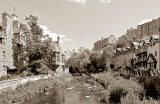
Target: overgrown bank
[24, 92]
[123, 91]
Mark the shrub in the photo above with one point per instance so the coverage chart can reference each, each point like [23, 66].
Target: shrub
[152, 87]
[116, 95]
[141, 79]
[125, 76]
[8, 76]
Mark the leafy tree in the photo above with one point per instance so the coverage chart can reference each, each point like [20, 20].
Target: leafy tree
[107, 55]
[35, 47]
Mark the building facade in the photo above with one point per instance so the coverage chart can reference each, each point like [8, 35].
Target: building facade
[56, 58]
[12, 42]
[100, 44]
[143, 55]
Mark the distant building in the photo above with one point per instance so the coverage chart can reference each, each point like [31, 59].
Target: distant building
[100, 44]
[142, 31]
[144, 54]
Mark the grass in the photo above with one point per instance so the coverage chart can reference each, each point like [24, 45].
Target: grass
[24, 92]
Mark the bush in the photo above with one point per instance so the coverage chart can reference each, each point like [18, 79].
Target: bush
[8, 76]
[152, 87]
[141, 79]
[125, 76]
[116, 95]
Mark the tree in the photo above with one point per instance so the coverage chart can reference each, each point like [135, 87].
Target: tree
[107, 55]
[79, 60]
[35, 47]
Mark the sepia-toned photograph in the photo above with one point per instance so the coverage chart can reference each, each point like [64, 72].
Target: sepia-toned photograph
[79, 52]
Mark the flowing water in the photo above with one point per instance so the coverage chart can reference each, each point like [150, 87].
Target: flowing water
[79, 91]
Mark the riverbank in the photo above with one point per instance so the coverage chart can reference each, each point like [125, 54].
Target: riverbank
[120, 90]
[81, 90]
[26, 91]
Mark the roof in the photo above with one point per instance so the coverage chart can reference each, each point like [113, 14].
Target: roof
[55, 47]
[152, 57]
[135, 43]
[156, 37]
[141, 44]
[119, 49]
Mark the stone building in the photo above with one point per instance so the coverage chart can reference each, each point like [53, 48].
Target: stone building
[56, 57]
[100, 44]
[11, 42]
[145, 54]
[153, 53]
[139, 33]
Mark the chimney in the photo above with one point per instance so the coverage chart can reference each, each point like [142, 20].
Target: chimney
[4, 20]
[58, 39]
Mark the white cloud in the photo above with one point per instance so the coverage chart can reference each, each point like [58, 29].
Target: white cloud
[145, 21]
[54, 36]
[79, 1]
[106, 1]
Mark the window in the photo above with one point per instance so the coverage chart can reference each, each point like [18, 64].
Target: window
[63, 58]
[1, 41]
[4, 54]
[54, 57]
[58, 56]
[155, 53]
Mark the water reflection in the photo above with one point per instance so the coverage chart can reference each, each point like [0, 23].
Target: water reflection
[76, 93]
[54, 96]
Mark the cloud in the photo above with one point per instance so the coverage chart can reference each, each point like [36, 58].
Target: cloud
[79, 1]
[54, 36]
[106, 1]
[145, 21]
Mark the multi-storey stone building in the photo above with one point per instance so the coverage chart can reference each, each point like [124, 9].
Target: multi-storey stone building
[13, 46]
[142, 31]
[12, 43]
[56, 58]
[145, 54]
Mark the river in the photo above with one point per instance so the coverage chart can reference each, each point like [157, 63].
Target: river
[80, 90]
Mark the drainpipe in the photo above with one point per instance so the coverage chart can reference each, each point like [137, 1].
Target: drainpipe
[159, 49]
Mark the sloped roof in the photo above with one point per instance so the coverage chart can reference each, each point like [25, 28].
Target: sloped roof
[135, 43]
[128, 47]
[152, 57]
[156, 37]
[55, 47]
[141, 44]
[147, 41]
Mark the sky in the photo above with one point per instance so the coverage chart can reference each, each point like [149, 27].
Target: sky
[82, 22]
